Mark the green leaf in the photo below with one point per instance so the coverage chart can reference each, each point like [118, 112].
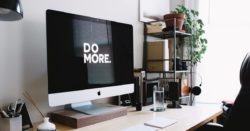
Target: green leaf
[200, 22]
[201, 31]
[197, 13]
[192, 11]
[205, 40]
[193, 24]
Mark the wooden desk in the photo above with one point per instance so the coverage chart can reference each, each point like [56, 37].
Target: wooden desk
[188, 118]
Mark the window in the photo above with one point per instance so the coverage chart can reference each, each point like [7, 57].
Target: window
[227, 30]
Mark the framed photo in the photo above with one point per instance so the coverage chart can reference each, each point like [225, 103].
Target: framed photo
[26, 121]
[152, 10]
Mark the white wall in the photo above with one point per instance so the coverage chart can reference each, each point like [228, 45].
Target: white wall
[23, 63]
[174, 3]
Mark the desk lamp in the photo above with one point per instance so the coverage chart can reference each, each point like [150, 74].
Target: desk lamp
[10, 10]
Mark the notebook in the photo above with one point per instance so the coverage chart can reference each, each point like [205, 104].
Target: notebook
[160, 122]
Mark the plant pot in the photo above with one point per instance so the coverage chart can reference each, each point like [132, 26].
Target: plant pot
[169, 20]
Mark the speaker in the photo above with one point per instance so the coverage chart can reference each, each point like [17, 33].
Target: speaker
[196, 90]
[136, 101]
[138, 82]
[174, 94]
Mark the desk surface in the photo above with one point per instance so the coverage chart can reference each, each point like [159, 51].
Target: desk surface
[188, 118]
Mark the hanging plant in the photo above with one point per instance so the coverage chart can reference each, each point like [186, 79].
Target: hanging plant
[194, 25]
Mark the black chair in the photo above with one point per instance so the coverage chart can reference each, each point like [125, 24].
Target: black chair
[239, 116]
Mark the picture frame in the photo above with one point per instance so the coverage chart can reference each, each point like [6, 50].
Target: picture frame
[153, 10]
[26, 121]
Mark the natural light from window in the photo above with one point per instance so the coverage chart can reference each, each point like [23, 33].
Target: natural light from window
[227, 30]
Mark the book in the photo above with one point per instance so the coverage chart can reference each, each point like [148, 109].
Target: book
[160, 122]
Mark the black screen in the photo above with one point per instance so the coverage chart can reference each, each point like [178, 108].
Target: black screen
[85, 52]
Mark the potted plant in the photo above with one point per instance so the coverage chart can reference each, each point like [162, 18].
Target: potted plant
[169, 20]
[194, 25]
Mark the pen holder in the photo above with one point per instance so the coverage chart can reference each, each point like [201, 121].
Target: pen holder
[11, 124]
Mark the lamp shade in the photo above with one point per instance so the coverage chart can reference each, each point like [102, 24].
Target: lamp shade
[10, 10]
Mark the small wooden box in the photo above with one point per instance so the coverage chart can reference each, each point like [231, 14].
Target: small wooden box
[76, 119]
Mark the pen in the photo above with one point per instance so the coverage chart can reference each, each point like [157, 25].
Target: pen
[4, 113]
[20, 108]
[15, 106]
[14, 112]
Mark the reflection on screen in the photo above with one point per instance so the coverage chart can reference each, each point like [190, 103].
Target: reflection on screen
[100, 34]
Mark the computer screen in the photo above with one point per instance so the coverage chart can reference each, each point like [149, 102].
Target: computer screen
[87, 58]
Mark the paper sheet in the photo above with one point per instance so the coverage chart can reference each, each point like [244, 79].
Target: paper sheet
[160, 122]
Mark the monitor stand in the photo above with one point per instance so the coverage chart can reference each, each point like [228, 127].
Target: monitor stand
[89, 108]
[84, 114]
[175, 104]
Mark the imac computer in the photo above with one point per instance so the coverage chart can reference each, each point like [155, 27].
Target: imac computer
[87, 59]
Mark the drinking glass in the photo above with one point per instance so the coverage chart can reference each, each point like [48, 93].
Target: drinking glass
[158, 99]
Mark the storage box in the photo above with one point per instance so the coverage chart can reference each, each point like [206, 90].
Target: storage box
[155, 27]
[157, 53]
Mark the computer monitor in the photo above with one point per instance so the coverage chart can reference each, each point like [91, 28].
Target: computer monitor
[87, 59]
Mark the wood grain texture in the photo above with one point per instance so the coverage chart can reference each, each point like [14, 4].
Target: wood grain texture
[76, 119]
[188, 118]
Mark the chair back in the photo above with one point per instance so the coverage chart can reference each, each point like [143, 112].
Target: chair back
[239, 116]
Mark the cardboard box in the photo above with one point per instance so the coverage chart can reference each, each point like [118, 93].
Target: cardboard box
[157, 51]
[155, 27]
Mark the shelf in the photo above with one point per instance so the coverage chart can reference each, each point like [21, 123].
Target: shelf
[169, 34]
[178, 71]
[156, 21]
[159, 60]
[173, 74]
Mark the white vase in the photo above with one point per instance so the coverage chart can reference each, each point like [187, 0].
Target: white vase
[46, 125]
